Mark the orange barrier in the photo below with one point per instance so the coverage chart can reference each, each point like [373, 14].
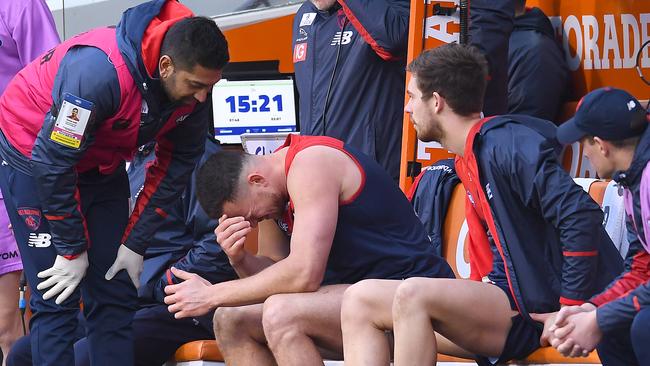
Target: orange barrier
[199, 350]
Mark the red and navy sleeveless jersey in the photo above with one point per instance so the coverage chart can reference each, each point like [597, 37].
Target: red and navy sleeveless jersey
[377, 234]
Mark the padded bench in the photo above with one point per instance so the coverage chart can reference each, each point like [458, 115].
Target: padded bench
[206, 353]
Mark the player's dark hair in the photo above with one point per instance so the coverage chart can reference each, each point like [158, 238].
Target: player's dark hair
[457, 72]
[196, 41]
[217, 181]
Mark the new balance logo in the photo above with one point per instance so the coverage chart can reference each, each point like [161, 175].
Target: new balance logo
[42, 240]
[343, 38]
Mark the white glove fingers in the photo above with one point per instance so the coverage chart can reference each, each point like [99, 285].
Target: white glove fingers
[55, 290]
[65, 294]
[47, 273]
[135, 278]
[110, 273]
[48, 282]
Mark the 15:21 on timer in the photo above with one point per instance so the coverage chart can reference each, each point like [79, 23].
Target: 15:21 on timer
[263, 103]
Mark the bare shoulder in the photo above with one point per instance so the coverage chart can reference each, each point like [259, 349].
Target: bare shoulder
[321, 161]
[325, 169]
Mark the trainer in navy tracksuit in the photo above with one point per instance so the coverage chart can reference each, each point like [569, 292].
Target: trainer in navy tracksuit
[430, 195]
[533, 231]
[84, 191]
[538, 76]
[366, 93]
[623, 313]
[186, 240]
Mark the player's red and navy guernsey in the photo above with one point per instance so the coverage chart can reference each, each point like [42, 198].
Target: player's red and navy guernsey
[533, 232]
[69, 120]
[546, 242]
[365, 94]
[377, 234]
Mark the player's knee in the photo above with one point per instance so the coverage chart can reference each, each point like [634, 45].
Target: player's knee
[358, 301]
[279, 319]
[408, 297]
[229, 322]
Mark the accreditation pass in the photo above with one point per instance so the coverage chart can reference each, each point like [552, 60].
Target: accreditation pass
[72, 121]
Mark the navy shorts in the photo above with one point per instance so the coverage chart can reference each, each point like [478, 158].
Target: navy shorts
[522, 340]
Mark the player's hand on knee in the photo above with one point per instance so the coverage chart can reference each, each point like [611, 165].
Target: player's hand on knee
[63, 277]
[231, 235]
[130, 261]
[190, 297]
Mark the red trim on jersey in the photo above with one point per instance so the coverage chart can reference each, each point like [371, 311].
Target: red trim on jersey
[380, 51]
[637, 276]
[591, 253]
[154, 176]
[161, 212]
[71, 256]
[567, 301]
[414, 186]
[168, 274]
[474, 185]
[77, 197]
[298, 143]
[56, 217]
[635, 301]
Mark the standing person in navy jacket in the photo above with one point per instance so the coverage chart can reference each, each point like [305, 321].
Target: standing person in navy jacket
[538, 76]
[535, 237]
[64, 180]
[349, 58]
[186, 241]
[613, 128]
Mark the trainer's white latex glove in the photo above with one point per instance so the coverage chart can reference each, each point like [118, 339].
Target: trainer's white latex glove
[64, 277]
[128, 260]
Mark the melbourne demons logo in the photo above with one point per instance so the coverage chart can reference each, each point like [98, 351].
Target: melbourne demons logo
[31, 216]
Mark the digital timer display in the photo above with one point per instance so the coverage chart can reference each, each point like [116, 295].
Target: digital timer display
[253, 106]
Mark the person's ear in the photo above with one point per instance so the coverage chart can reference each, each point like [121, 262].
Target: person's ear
[604, 147]
[256, 179]
[437, 102]
[165, 66]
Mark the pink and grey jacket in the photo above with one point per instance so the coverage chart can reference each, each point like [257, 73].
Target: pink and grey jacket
[630, 292]
[116, 70]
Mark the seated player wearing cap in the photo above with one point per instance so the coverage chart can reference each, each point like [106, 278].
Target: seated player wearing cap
[612, 126]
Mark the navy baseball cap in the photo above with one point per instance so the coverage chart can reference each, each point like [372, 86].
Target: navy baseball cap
[609, 113]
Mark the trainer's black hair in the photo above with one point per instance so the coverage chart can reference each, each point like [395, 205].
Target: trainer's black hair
[196, 41]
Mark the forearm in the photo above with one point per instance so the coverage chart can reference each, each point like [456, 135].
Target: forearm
[283, 277]
[251, 264]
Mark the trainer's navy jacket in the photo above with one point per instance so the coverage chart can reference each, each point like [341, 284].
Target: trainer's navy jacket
[430, 195]
[186, 239]
[490, 26]
[377, 233]
[538, 77]
[547, 231]
[116, 70]
[630, 292]
[366, 94]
